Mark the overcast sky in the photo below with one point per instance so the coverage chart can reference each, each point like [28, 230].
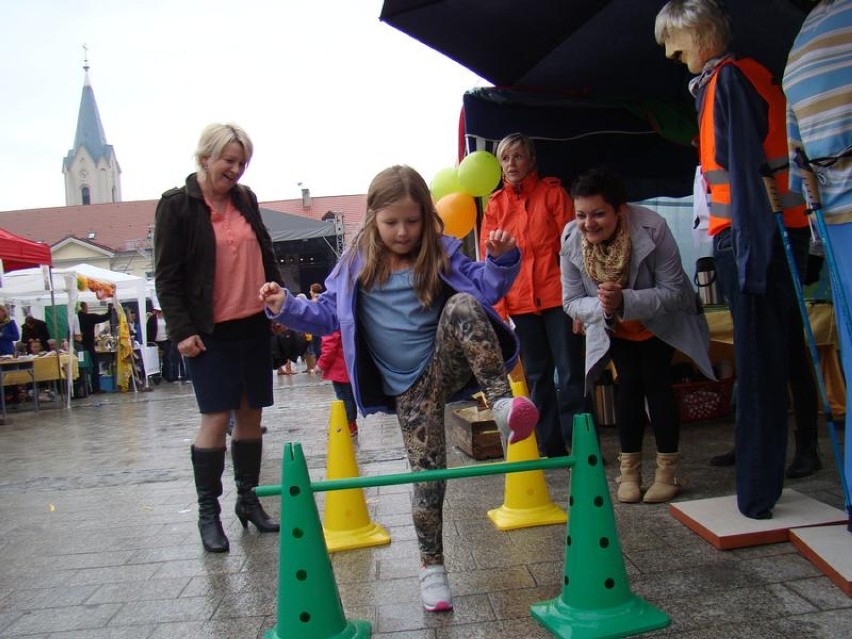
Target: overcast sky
[328, 93]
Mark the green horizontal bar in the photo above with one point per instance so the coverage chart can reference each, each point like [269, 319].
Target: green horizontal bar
[478, 470]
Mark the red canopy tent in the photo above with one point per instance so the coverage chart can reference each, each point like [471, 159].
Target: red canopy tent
[19, 252]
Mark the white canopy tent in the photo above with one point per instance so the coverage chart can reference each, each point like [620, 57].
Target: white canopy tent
[40, 287]
[44, 286]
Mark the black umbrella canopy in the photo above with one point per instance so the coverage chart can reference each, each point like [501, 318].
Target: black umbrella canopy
[592, 66]
[587, 47]
[575, 134]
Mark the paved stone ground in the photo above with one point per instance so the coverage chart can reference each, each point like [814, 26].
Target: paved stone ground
[98, 537]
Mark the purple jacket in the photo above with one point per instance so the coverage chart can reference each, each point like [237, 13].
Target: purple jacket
[487, 281]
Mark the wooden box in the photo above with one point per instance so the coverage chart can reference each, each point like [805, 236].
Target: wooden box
[473, 430]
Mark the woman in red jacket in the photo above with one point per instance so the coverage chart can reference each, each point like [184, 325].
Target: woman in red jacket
[535, 210]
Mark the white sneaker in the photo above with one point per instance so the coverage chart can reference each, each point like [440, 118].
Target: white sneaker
[435, 589]
[516, 418]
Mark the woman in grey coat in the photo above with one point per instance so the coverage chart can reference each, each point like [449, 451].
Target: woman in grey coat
[624, 285]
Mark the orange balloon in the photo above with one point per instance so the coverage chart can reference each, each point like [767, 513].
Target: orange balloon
[458, 210]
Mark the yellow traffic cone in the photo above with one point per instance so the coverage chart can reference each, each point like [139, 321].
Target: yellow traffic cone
[527, 501]
[347, 523]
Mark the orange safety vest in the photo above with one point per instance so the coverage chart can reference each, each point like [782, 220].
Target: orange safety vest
[774, 149]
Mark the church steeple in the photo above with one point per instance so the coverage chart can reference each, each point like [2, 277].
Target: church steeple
[92, 173]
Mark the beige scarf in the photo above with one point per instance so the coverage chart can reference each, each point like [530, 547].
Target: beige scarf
[609, 261]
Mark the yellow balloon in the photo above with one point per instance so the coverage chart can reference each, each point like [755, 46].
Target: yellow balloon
[479, 173]
[446, 181]
[458, 210]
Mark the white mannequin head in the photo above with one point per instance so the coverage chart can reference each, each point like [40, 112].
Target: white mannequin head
[693, 31]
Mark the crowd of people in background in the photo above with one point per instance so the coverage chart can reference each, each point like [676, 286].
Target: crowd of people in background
[31, 338]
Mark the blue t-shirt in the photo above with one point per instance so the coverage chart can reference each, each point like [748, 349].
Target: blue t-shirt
[399, 333]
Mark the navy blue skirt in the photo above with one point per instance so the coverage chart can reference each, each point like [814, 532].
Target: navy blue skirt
[237, 362]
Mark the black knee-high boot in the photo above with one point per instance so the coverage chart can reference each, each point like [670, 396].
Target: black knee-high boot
[208, 465]
[246, 455]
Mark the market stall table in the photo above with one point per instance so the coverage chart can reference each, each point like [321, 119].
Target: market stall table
[10, 370]
[44, 369]
[825, 333]
[30, 371]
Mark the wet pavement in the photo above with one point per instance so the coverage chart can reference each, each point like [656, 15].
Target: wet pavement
[98, 536]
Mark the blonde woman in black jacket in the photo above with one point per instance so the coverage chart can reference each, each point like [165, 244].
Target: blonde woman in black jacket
[210, 248]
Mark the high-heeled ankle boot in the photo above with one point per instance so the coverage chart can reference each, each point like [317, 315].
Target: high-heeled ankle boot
[207, 465]
[246, 455]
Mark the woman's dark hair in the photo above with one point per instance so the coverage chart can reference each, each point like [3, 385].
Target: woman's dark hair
[600, 181]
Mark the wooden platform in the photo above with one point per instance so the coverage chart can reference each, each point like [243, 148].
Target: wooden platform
[718, 521]
[829, 548]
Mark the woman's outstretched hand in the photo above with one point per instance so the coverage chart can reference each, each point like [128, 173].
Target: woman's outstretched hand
[499, 242]
[272, 295]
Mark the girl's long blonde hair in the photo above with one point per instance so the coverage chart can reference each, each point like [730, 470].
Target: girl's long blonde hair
[429, 258]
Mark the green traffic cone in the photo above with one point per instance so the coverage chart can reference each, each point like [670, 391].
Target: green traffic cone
[309, 605]
[596, 600]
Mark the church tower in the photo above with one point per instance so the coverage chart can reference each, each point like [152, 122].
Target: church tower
[92, 174]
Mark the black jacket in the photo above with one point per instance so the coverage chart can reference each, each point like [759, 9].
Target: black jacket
[38, 330]
[185, 255]
[88, 321]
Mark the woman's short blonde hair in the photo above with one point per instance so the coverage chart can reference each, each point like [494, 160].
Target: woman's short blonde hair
[216, 137]
[708, 20]
[518, 138]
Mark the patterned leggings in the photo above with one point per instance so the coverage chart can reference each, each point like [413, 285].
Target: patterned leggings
[465, 345]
